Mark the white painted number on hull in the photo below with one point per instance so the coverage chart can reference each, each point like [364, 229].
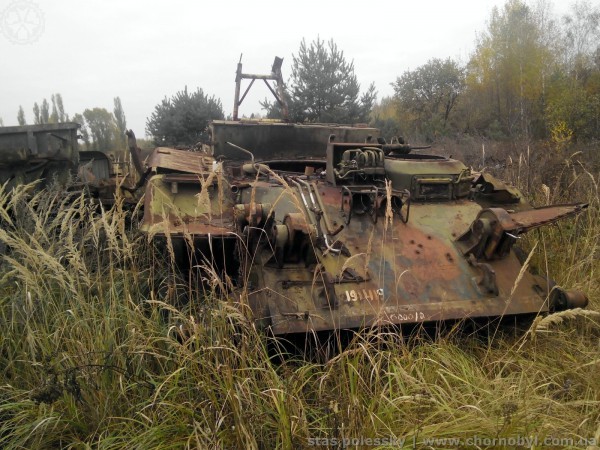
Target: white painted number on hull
[415, 316]
[364, 294]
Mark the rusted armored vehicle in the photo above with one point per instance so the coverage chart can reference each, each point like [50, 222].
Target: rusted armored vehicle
[50, 152]
[350, 234]
[328, 227]
[37, 152]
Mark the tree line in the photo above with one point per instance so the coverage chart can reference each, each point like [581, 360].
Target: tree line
[531, 76]
[101, 130]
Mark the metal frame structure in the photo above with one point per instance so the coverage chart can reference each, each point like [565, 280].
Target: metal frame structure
[275, 75]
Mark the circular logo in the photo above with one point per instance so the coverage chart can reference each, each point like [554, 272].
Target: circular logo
[22, 22]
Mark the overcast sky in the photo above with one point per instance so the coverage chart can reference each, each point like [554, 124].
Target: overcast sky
[93, 51]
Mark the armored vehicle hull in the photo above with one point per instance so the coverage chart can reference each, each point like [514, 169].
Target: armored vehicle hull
[345, 235]
[50, 152]
[33, 152]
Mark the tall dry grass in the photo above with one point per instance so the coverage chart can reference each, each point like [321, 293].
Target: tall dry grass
[569, 250]
[96, 355]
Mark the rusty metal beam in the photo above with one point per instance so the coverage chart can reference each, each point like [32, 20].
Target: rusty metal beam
[275, 75]
[246, 92]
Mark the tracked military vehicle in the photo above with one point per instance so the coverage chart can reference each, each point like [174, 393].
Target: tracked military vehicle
[328, 227]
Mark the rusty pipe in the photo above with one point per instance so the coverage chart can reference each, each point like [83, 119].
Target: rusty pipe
[308, 211]
[301, 195]
[307, 186]
[575, 298]
[242, 150]
[562, 299]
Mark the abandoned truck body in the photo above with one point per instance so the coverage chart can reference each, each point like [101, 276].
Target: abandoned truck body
[50, 152]
[37, 152]
[327, 227]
